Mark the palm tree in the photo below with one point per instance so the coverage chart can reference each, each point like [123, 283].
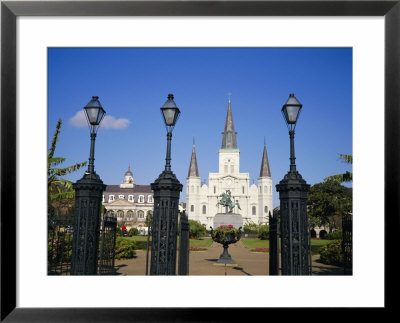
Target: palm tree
[342, 178]
[59, 188]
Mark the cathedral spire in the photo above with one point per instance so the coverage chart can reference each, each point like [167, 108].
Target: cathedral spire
[229, 134]
[265, 171]
[193, 170]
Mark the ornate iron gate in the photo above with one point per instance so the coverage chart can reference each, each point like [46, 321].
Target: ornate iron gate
[273, 244]
[347, 244]
[108, 235]
[59, 244]
[183, 263]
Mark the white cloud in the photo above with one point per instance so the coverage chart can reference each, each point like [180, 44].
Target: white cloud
[109, 122]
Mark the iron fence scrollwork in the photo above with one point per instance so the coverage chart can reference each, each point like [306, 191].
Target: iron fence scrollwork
[108, 236]
[347, 244]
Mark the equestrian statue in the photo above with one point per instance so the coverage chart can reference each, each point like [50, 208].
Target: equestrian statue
[227, 201]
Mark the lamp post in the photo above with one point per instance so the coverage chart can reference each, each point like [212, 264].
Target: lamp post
[293, 191]
[88, 197]
[166, 190]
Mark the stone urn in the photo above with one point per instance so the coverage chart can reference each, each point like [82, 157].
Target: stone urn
[226, 235]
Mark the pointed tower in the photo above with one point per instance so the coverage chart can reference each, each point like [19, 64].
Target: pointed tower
[264, 188]
[193, 170]
[229, 134]
[128, 181]
[193, 183]
[229, 153]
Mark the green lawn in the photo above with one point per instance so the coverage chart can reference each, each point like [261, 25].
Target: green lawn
[257, 243]
[205, 242]
[141, 242]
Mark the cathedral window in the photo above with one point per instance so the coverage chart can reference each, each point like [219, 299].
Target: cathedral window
[130, 198]
[192, 188]
[204, 209]
[192, 208]
[253, 210]
[215, 190]
[265, 189]
[242, 189]
[111, 198]
[141, 199]
[265, 209]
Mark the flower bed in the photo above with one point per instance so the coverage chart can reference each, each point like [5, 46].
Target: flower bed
[260, 250]
[197, 249]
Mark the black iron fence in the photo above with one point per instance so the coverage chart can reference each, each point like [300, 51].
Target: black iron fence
[59, 244]
[108, 236]
[347, 243]
[183, 263]
[273, 244]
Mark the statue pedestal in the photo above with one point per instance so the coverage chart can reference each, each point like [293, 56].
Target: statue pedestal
[228, 218]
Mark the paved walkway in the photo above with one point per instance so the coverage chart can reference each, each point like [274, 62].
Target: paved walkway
[205, 263]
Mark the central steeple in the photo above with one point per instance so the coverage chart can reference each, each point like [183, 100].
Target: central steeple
[229, 134]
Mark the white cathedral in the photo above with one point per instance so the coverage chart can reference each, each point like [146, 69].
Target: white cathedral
[255, 200]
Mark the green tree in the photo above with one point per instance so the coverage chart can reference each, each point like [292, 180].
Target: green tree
[342, 178]
[59, 188]
[149, 219]
[196, 230]
[327, 202]
[250, 227]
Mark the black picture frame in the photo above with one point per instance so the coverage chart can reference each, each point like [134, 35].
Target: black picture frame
[10, 10]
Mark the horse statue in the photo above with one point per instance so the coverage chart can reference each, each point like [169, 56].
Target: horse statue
[227, 201]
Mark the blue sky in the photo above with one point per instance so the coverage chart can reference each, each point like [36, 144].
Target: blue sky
[133, 83]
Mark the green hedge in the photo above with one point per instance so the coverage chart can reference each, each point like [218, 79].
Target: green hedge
[331, 254]
[263, 232]
[125, 248]
[336, 235]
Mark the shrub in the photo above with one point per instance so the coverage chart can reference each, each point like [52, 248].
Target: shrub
[142, 245]
[336, 235]
[124, 248]
[196, 230]
[133, 232]
[332, 254]
[263, 232]
[250, 227]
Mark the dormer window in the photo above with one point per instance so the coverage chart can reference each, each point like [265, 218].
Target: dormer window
[130, 198]
[141, 199]
[121, 197]
[111, 198]
[150, 199]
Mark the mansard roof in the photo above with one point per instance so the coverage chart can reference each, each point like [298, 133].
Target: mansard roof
[136, 189]
[229, 134]
[193, 169]
[265, 171]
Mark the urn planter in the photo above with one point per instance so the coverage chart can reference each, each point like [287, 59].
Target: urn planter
[226, 235]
